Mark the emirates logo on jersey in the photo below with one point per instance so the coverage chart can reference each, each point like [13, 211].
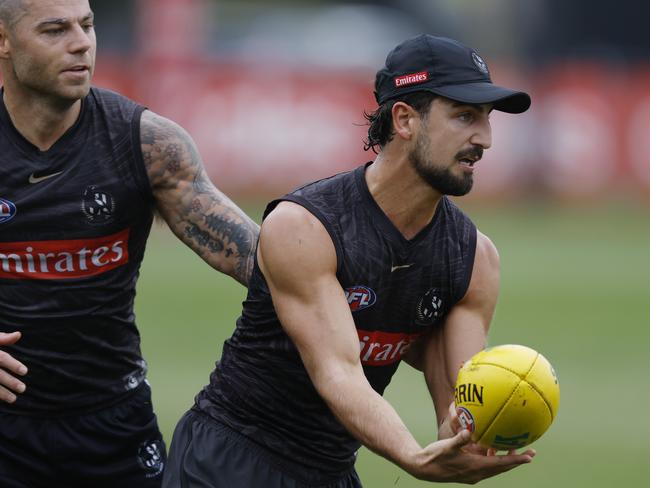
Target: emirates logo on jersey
[379, 348]
[55, 260]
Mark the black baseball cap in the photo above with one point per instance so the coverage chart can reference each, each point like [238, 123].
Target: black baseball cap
[447, 68]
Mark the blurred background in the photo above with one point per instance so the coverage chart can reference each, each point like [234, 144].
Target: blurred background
[274, 93]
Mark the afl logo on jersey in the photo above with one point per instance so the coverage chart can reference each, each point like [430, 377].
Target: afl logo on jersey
[98, 206]
[7, 210]
[360, 297]
[429, 308]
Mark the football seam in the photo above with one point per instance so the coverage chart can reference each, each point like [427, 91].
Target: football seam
[540, 393]
[512, 393]
[510, 398]
[511, 370]
[513, 390]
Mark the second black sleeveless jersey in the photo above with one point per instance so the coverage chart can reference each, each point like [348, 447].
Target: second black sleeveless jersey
[397, 289]
[73, 225]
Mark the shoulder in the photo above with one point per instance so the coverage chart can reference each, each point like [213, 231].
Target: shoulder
[326, 198]
[168, 151]
[157, 129]
[487, 255]
[289, 220]
[484, 282]
[113, 102]
[294, 243]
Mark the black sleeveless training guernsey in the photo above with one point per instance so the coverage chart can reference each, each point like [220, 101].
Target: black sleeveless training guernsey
[397, 289]
[73, 225]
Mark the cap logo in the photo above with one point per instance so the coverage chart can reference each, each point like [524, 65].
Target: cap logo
[411, 79]
[480, 64]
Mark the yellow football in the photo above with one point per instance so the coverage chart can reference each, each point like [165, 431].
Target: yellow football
[507, 396]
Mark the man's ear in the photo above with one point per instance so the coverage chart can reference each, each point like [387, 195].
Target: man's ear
[4, 41]
[404, 119]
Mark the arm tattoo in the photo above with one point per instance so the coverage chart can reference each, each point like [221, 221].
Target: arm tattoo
[197, 212]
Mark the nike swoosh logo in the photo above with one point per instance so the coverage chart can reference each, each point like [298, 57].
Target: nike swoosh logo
[37, 179]
[403, 266]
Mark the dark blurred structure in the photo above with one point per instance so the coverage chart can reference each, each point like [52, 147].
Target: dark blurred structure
[599, 30]
[541, 30]
[274, 91]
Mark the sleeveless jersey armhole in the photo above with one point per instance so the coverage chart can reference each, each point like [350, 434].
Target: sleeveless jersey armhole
[469, 264]
[139, 170]
[316, 213]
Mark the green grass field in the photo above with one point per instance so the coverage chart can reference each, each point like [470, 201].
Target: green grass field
[575, 286]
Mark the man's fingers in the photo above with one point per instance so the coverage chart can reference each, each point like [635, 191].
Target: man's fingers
[514, 459]
[10, 383]
[7, 338]
[8, 362]
[501, 463]
[454, 422]
[6, 396]
[459, 440]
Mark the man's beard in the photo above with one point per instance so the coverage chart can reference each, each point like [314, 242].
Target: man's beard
[439, 178]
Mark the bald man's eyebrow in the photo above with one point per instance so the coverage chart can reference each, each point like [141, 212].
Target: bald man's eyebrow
[64, 20]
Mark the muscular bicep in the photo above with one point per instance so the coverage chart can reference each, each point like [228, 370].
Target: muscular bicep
[298, 260]
[195, 210]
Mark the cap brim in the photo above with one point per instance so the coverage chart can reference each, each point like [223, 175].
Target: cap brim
[504, 99]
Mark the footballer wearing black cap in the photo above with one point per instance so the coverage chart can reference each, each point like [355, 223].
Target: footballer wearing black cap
[447, 68]
[355, 273]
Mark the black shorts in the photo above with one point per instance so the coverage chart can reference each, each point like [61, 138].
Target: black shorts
[207, 454]
[119, 446]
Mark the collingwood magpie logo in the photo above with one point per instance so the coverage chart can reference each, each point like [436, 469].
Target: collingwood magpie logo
[480, 64]
[429, 308]
[98, 206]
[133, 380]
[150, 457]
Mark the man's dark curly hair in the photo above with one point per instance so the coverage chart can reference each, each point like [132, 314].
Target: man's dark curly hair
[380, 122]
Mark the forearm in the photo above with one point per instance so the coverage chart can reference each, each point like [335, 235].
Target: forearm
[443, 353]
[217, 230]
[196, 211]
[369, 417]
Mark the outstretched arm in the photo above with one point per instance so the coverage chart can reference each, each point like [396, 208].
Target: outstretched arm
[195, 210]
[298, 260]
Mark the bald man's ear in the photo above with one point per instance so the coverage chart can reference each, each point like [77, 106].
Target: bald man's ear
[4, 41]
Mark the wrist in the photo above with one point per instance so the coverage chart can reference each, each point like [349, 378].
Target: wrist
[414, 460]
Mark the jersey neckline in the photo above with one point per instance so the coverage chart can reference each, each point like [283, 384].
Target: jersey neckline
[382, 220]
[60, 145]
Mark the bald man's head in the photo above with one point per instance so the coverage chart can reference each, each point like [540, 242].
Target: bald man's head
[11, 11]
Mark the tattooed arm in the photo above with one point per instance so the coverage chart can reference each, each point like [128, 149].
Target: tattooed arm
[199, 214]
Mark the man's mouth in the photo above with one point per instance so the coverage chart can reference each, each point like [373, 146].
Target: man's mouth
[467, 162]
[470, 157]
[77, 68]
